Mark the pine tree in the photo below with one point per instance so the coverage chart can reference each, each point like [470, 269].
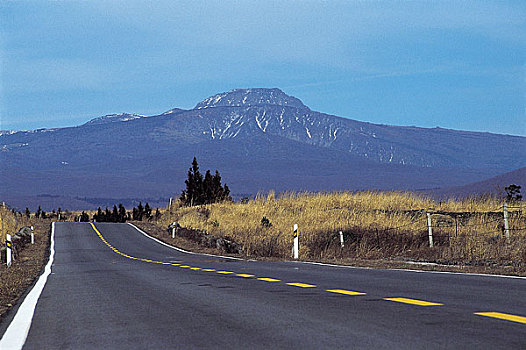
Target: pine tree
[28, 213]
[194, 194]
[208, 188]
[122, 213]
[115, 214]
[140, 211]
[99, 216]
[203, 191]
[39, 212]
[147, 211]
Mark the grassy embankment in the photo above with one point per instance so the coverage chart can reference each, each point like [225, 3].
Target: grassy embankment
[376, 225]
[15, 280]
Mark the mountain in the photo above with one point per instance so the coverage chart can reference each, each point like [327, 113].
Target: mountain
[259, 139]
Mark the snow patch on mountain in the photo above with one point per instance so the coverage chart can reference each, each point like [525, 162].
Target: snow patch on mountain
[112, 118]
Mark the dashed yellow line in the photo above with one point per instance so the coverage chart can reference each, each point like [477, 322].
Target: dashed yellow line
[346, 292]
[503, 316]
[302, 285]
[413, 301]
[497, 315]
[268, 279]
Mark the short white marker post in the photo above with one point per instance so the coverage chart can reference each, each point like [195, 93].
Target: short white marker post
[296, 242]
[430, 230]
[506, 224]
[341, 239]
[32, 235]
[170, 206]
[173, 229]
[9, 250]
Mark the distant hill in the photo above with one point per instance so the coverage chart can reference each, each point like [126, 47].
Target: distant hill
[493, 186]
[259, 139]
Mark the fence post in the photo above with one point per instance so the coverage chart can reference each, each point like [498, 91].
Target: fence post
[9, 250]
[296, 242]
[32, 235]
[430, 230]
[341, 239]
[506, 225]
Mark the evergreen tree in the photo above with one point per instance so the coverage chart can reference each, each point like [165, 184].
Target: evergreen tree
[115, 214]
[122, 213]
[43, 215]
[39, 212]
[98, 217]
[107, 215]
[203, 191]
[157, 214]
[84, 217]
[140, 211]
[28, 213]
[194, 194]
[209, 188]
[134, 214]
[147, 211]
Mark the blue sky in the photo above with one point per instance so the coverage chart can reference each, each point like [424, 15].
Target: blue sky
[453, 64]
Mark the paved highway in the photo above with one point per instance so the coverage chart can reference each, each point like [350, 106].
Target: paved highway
[113, 287]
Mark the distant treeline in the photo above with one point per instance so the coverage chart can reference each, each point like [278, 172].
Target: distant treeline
[120, 214]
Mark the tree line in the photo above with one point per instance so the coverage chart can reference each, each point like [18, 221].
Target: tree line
[120, 214]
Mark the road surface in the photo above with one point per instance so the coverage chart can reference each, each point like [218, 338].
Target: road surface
[113, 287]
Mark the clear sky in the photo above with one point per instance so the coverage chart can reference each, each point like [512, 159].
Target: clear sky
[453, 64]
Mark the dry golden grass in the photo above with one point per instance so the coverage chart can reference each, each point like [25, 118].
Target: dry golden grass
[9, 223]
[375, 224]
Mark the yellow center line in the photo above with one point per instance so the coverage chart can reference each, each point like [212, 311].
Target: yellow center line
[184, 266]
[195, 268]
[302, 285]
[268, 279]
[413, 301]
[224, 272]
[503, 316]
[208, 270]
[346, 292]
[246, 275]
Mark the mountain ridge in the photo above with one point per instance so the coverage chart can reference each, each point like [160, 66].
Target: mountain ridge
[255, 144]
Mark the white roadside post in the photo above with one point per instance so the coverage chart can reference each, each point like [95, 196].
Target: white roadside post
[173, 229]
[32, 235]
[9, 250]
[296, 242]
[506, 224]
[341, 238]
[170, 206]
[430, 230]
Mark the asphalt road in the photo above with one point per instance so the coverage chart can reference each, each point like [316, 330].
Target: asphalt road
[118, 289]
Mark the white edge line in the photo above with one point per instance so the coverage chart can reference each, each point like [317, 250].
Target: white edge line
[332, 265]
[179, 249]
[16, 334]
[408, 270]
